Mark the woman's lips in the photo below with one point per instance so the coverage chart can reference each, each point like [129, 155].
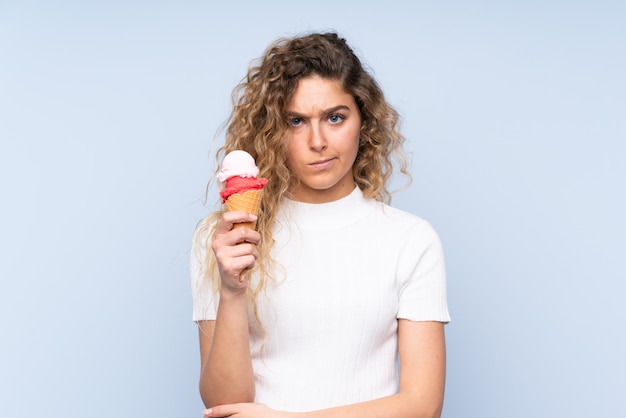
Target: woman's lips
[322, 164]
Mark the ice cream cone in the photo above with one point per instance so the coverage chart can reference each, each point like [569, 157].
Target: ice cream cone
[249, 201]
[242, 189]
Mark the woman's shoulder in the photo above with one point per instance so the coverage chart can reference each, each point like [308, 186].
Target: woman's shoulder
[202, 234]
[395, 215]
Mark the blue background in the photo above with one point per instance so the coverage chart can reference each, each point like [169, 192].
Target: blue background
[515, 116]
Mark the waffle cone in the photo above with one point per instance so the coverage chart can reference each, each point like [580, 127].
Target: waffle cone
[249, 201]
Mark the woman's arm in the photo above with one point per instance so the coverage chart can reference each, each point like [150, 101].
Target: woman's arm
[226, 374]
[422, 379]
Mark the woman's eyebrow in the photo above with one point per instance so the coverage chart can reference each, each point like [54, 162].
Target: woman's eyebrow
[336, 108]
[293, 113]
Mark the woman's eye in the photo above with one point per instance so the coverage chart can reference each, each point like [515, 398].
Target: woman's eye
[295, 122]
[335, 118]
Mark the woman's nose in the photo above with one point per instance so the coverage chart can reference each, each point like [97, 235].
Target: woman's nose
[317, 140]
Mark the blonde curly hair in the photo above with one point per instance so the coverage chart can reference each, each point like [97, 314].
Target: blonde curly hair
[258, 125]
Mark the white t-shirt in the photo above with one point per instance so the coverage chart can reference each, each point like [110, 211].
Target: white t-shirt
[347, 270]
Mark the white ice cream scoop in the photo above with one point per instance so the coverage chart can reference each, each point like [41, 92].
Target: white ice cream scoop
[237, 163]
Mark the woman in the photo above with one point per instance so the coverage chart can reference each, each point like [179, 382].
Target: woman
[343, 312]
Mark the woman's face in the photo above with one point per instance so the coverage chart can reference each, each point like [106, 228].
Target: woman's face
[322, 140]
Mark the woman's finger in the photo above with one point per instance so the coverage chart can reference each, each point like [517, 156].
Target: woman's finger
[229, 219]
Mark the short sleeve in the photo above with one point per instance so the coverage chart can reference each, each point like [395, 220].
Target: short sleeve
[204, 299]
[422, 277]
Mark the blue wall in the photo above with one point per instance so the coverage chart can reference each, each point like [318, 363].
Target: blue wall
[515, 115]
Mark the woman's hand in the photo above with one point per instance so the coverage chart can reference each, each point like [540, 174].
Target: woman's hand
[235, 249]
[244, 410]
